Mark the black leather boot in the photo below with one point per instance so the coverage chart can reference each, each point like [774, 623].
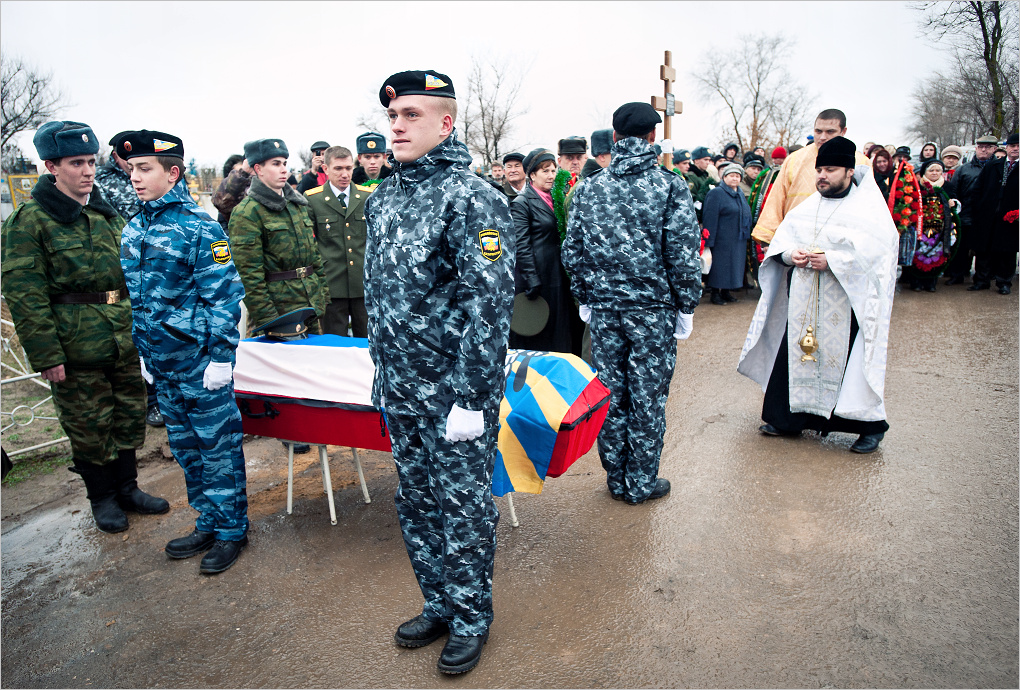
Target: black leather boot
[461, 653]
[420, 631]
[101, 489]
[129, 496]
[222, 555]
[191, 545]
[717, 298]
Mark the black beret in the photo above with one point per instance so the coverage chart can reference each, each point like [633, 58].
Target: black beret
[573, 145]
[513, 157]
[64, 138]
[635, 119]
[416, 83]
[261, 150]
[370, 142]
[147, 142]
[601, 141]
[115, 139]
[837, 152]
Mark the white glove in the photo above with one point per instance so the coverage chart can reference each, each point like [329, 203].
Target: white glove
[145, 372]
[666, 145]
[697, 205]
[217, 375]
[684, 326]
[464, 425]
[584, 311]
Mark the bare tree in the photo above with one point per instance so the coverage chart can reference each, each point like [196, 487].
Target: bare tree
[373, 121]
[764, 105]
[27, 97]
[981, 88]
[492, 104]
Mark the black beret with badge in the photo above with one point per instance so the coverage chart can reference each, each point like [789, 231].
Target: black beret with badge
[416, 83]
[146, 142]
[635, 119]
[573, 145]
[371, 142]
[261, 150]
[64, 138]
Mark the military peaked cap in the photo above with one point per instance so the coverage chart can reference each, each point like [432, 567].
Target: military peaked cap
[416, 83]
[261, 150]
[147, 142]
[64, 138]
[371, 142]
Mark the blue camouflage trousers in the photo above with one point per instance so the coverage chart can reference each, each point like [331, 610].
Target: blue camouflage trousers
[634, 353]
[448, 517]
[204, 428]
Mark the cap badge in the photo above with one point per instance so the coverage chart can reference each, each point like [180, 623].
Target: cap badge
[85, 137]
[276, 144]
[160, 145]
[370, 144]
[127, 146]
[390, 91]
[434, 82]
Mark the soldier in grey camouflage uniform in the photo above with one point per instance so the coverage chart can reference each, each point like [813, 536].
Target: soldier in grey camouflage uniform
[439, 291]
[63, 282]
[632, 252]
[115, 182]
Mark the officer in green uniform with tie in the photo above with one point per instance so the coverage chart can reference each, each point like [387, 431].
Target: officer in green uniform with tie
[337, 211]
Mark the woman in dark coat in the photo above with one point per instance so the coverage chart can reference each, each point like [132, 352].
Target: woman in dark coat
[727, 217]
[538, 272]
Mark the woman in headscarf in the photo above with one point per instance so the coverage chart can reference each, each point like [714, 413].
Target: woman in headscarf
[538, 271]
[936, 239]
[727, 217]
[882, 167]
[929, 152]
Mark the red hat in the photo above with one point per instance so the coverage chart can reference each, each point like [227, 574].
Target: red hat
[779, 152]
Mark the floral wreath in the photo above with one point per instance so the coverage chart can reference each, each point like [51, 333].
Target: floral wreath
[561, 184]
[905, 199]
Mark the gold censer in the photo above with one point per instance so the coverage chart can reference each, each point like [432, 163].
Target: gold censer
[809, 344]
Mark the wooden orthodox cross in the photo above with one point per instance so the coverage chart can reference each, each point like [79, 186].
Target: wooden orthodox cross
[667, 102]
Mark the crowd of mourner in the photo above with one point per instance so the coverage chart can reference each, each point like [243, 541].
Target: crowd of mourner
[127, 297]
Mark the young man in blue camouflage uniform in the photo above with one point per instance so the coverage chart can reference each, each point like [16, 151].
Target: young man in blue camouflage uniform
[63, 282]
[186, 299]
[439, 291]
[632, 253]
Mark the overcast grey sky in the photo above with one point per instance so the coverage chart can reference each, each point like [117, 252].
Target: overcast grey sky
[218, 74]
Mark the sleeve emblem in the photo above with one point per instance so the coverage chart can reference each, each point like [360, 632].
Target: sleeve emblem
[488, 240]
[220, 251]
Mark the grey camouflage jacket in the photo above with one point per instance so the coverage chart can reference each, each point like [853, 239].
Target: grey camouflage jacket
[439, 285]
[632, 235]
[117, 189]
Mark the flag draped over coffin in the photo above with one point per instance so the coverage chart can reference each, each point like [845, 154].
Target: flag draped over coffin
[552, 410]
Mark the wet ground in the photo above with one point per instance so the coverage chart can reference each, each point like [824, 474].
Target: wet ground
[774, 562]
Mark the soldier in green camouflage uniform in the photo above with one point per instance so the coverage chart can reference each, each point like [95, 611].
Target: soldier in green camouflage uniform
[63, 282]
[272, 240]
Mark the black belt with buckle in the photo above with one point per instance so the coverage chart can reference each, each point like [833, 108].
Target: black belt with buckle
[111, 297]
[290, 275]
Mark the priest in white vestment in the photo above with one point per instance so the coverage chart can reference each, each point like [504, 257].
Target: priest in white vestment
[817, 344]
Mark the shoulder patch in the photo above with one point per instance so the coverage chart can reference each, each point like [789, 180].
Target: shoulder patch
[314, 190]
[488, 240]
[220, 251]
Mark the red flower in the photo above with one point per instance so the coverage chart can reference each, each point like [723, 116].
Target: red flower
[1012, 216]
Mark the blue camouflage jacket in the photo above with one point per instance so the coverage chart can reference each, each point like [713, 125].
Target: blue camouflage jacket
[632, 235]
[439, 285]
[185, 292]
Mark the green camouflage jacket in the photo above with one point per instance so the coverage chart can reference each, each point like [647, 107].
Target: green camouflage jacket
[52, 245]
[270, 233]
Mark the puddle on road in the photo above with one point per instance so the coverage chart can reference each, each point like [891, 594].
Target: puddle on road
[53, 542]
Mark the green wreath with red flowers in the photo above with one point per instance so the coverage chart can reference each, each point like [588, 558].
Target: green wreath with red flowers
[905, 199]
